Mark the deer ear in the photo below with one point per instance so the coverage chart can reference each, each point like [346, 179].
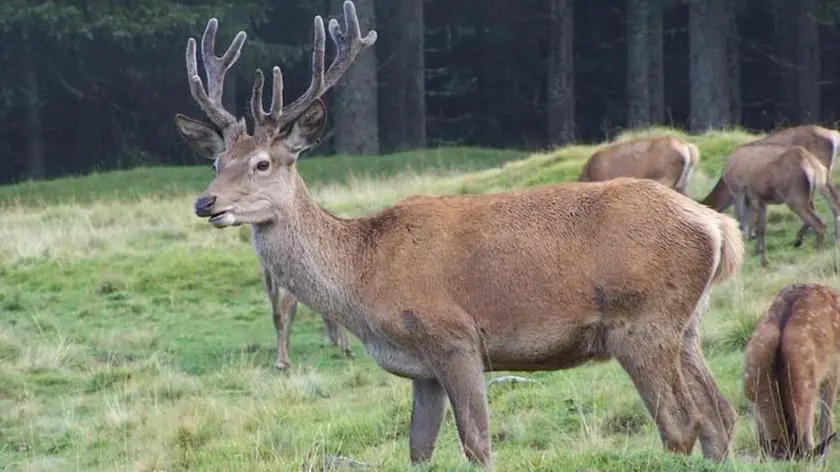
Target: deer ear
[307, 129]
[204, 138]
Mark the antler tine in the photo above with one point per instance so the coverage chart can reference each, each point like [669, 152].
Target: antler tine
[257, 111]
[210, 99]
[348, 45]
[261, 118]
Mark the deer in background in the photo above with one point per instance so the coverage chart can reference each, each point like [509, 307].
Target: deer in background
[794, 354]
[441, 290]
[821, 142]
[283, 310]
[665, 159]
[765, 174]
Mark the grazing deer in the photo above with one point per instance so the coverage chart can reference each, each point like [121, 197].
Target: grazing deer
[665, 159]
[441, 290]
[794, 353]
[821, 142]
[775, 174]
[283, 310]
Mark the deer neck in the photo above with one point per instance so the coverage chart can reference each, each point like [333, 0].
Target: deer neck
[314, 255]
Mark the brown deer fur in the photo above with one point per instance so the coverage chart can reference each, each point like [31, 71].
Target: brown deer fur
[441, 290]
[283, 309]
[664, 159]
[775, 174]
[793, 354]
[821, 142]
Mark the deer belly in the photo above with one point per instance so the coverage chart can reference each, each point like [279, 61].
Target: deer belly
[397, 361]
[548, 353]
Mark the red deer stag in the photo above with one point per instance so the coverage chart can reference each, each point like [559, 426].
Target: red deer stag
[821, 142]
[775, 174]
[283, 310]
[665, 159]
[794, 353]
[441, 290]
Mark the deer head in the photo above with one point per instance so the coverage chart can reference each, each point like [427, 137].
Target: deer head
[255, 173]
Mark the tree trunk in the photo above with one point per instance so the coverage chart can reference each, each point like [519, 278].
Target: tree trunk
[560, 109]
[638, 64]
[656, 74]
[31, 111]
[808, 55]
[402, 74]
[709, 90]
[734, 59]
[786, 12]
[356, 130]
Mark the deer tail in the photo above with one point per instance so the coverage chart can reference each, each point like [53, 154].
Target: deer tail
[691, 157]
[731, 248]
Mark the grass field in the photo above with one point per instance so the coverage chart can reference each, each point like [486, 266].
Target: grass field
[133, 336]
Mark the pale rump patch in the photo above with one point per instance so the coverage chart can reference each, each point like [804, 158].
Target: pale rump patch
[687, 153]
[835, 139]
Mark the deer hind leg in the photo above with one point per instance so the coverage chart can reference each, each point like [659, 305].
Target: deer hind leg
[805, 210]
[800, 384]
[653, 362]
[429, 405]
[832, 196]
[338, 337]
[828, 395]
[718, 416]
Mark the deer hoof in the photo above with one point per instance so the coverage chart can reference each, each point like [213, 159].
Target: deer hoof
[348, 353]
[282, 366]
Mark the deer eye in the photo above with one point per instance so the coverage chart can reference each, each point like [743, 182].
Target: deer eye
[262, 166]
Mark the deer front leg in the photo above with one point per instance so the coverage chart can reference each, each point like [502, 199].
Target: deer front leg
[429, 405]
[742, 212]
[761, 232]
[462, 377]
[282, 311]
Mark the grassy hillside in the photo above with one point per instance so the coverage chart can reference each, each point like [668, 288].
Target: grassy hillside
[133, 336]
[164, 182]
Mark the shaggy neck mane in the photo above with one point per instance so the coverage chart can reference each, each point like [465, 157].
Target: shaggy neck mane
[315, 255]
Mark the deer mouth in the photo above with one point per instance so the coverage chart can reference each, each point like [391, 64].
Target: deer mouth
[222, 219]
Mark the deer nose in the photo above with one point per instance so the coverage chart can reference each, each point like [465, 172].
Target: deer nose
[203, 206]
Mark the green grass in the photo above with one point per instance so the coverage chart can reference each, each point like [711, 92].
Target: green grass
[135, 337]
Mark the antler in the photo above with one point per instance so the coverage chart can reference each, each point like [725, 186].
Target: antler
[348, 43]
[210, 100]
